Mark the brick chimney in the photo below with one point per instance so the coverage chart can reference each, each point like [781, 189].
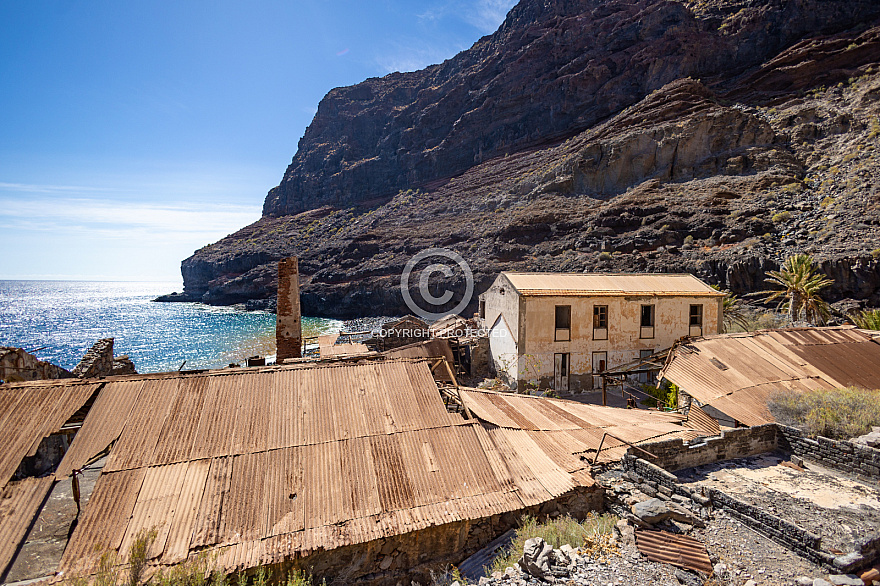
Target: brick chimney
[288, 325]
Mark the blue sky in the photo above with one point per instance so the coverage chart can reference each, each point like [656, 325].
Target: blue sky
[133, 133]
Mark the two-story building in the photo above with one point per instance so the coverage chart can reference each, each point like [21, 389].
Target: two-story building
[559, 330]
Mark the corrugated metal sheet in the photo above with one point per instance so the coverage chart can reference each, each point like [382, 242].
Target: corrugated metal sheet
[567, 430]
[20, 502]
[433, 348]
[678, 550]
[699, 419]
[451, 326]
[287, 460]
[736, 373]
[343, 349]
[32, 411]
[609, 284]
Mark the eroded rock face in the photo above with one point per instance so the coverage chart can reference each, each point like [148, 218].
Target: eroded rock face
[553, 68]
[722, 177]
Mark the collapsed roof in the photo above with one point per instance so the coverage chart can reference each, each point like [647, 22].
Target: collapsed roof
[570, 431]
[736, 373]
[263, 465]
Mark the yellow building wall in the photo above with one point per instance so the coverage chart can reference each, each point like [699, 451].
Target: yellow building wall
[537, 344]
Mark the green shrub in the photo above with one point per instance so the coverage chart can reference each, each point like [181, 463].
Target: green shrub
[876, 253]
[868, 319]
[664, 397]
[835, 414]
[604, 256]
[592, 533]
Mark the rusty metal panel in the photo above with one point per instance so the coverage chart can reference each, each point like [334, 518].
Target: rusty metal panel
[20, 503]
[34, 411]
[349, 349]
[104, 520]
[609, 284]
[114, 403]
[735, 373]
[678, 550]
[208, 527]
[137, 443]
[433, 348]
[699, 419]
[180, 533]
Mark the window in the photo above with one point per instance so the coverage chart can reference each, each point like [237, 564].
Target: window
[600, 322]
[482, 309]
[600, 316]
[696, 316]
[647, 316]
[647, 322]
[563, 323]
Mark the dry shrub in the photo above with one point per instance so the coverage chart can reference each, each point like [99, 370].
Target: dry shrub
[592, 536]
[836, 414]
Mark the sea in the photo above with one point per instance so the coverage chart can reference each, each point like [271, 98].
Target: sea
[59, 321]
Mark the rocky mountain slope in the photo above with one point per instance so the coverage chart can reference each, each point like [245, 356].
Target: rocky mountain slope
[714, 137]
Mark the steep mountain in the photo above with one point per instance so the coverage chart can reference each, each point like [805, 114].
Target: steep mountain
[715, 137]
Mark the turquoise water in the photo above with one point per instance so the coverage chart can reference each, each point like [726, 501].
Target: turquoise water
[60, 320]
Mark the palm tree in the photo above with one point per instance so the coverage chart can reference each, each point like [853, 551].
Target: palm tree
[868, 319]
[732, 311]
[801, 288]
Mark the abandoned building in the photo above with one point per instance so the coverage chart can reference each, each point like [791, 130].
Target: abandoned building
[559, 331]
[362, 469]
[733, 375]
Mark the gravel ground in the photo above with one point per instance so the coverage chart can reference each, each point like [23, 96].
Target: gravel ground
[744, 554]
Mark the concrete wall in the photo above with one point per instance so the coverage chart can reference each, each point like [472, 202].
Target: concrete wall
[533, 320]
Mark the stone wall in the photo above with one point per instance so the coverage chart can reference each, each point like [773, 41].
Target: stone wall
[98, 361]
[735, 443]
[845, 456]
[401, 559]
[16, 365]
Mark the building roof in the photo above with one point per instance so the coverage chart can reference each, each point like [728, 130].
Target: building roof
[30, 412]
[568, 430]
[736, 373]
[261, 465]
[588, 284]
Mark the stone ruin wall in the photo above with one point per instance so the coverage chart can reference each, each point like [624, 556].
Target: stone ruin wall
[16, 365]
[412, 556]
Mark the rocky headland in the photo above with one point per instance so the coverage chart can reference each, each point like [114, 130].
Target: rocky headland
[714, 137]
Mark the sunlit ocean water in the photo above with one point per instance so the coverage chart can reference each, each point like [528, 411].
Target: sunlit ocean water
[60, 320]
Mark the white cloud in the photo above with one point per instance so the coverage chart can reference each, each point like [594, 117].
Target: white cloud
[487, 15]
[120, 220]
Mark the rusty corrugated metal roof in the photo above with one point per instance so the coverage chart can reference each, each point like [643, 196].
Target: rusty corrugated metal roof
[678, 550]
[343, 349]
[31, 411]
[609, 284]
[736, 373]
[568, 429]
[699, 419]
[265, 464]
[20, 502]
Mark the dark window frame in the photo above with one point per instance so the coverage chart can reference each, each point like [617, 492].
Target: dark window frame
[651, 315]
[698, 315]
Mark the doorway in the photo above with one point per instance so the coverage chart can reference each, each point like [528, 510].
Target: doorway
[561, 372]
[600, 364]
